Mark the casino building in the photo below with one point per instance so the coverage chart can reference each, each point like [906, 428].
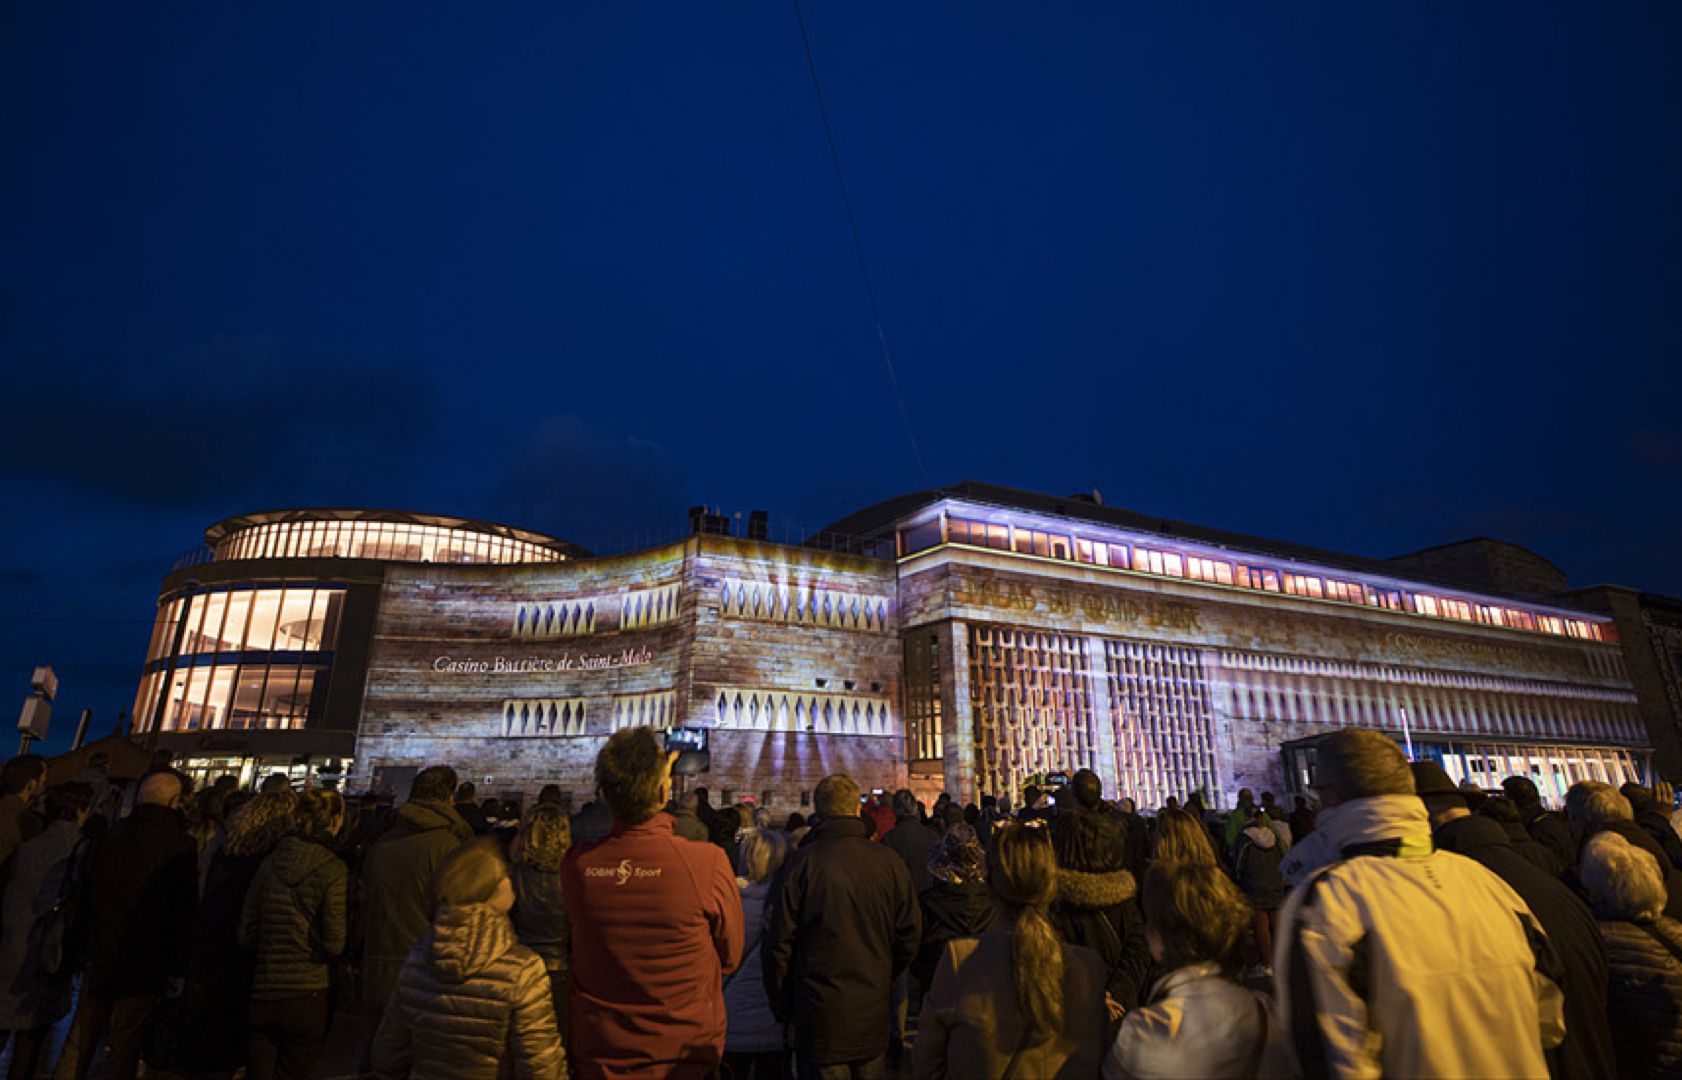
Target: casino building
[967, 638]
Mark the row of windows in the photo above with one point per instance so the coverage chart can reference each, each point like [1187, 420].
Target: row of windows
[241, 697]
[290, 619]
[393, 541]
[1166, 563]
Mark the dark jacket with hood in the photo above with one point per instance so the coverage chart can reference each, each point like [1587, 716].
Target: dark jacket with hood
[1256, 867]
[841, 922]
[1101, 912]
[1570, 927]
[396, 882]
[294, 917]
[949, 912]
[138, 900]
[471, 1003]
[540, 914]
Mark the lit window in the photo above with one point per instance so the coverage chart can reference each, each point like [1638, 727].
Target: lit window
[1303, 585]
[1425, 604]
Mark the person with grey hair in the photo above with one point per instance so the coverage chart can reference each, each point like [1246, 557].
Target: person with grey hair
[754, 1042]
[1593, 808]
[1387, 946]
[841, 923]
[1625, 885]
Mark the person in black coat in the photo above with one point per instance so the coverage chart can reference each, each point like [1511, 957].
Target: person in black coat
[1097, 904]
[911, 840]
[1505, 814]
[841, 922]
[1547, 827]
[957, 904]
[1655, 820]
[1587, 1050]
[134, 927]
[215, 1005]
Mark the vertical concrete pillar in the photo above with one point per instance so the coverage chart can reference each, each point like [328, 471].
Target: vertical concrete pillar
[957, 735]
[1108, 763]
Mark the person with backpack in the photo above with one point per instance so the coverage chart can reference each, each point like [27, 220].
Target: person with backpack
[1255, 866]
[34, 977]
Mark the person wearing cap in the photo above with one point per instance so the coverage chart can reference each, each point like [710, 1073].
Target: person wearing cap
[1566, 919]
[1393, 959]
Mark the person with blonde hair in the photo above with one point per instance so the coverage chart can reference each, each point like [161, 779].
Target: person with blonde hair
[294, 917]
[1626, 887]
[1180, 837]
[754, 1045]
[1199, 1022]
[471, 1002]
[540, 911]
[1015, 1002]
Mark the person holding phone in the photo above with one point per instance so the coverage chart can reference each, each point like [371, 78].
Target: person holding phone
[656, 926]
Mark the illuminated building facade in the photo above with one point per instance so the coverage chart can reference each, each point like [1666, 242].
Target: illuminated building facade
[966, 639]
[259, 650]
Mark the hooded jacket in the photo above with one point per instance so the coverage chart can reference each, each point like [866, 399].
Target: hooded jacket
[840, 924]
[1101, 912]
[471, 1004]
[656, 924]
[949, 912]
[397, 874]
[1256, 866]
[1390, 953]
[294, 916]
[752, 1029]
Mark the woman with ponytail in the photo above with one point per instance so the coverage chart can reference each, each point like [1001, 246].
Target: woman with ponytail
[1016, 1002]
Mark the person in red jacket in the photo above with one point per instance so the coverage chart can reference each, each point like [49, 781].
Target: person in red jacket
[656, 925]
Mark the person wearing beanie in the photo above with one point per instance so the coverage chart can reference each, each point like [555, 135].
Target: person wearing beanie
[1388, 947]
[1564, 917]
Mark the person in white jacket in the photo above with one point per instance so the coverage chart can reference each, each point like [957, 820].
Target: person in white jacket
[1199, 1022]
[1396, 960]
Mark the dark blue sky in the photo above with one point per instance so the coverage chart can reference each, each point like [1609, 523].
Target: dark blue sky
[1366, 276]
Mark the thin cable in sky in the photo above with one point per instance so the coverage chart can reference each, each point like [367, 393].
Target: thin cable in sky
[858, 243]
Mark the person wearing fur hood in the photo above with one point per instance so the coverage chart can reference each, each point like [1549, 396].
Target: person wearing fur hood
[1097, 904]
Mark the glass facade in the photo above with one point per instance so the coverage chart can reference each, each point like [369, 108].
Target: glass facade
[393, 541]
[1163, 562]
[240, 658]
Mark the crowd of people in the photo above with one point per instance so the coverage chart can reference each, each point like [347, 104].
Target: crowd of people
[1399, 924]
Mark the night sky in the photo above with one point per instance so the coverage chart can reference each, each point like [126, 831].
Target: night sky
[1366, 276]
